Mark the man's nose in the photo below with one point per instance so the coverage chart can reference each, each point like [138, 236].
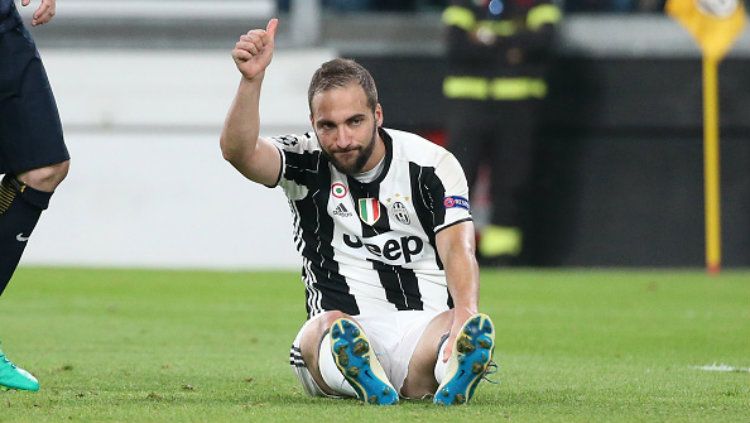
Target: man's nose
[343, 138]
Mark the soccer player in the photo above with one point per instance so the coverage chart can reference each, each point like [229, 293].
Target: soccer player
[381, 219]
[33, 156]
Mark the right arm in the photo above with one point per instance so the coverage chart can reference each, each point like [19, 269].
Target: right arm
[255, 157]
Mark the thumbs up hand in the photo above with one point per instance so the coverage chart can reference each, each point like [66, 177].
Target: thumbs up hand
[253, 52]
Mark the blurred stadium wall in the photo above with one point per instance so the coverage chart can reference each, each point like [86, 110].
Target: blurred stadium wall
[143, 88]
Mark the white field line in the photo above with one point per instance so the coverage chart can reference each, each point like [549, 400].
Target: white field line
[722, 368]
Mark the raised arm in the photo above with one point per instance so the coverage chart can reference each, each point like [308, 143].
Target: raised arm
[455, 245]
[241, 145]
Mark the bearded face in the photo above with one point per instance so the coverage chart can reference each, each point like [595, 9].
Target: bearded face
[347, 128]
[352, 160]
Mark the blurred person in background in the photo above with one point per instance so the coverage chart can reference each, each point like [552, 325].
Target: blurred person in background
[357, 5]
[617, 6]
[383, 224]
[33, 156]
[498, 55]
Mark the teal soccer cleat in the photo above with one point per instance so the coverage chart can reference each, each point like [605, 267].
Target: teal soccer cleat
[472, 355]
[357, 362]
[13, 377]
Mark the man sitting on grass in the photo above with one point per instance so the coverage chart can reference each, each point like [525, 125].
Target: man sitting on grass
[387, 242]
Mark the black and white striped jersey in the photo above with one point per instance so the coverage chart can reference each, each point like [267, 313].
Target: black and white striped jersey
[370, 247]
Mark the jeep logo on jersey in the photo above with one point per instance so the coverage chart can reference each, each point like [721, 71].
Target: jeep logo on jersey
[369, 210]
[393, 249]
[400, 212]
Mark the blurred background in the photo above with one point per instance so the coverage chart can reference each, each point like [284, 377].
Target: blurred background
[143, 87]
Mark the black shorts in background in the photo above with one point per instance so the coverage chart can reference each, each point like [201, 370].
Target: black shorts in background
[30, 130]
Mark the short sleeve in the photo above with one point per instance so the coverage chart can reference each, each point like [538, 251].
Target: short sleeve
[300, 158]
[446, 193]
[452, 201]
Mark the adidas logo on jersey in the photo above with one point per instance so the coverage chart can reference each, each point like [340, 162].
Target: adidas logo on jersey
[341, 211]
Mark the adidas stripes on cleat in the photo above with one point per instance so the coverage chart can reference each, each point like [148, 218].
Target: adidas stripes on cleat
[357, 362]
[472, 354]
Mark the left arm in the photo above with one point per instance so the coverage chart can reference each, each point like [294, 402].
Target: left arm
[456, 245]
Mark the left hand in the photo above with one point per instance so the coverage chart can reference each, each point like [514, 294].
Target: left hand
[44, 13]
[460, 316]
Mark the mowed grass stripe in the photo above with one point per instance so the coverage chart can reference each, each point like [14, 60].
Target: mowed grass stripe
[573, 345]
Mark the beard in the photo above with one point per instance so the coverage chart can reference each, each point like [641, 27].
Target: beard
[355, 166]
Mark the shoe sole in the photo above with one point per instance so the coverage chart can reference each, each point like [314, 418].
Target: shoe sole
[357, 362]
[472, 352]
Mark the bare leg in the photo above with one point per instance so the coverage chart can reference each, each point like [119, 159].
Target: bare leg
[45, 178]
[310, 345]
[420, 380]
[22, 200]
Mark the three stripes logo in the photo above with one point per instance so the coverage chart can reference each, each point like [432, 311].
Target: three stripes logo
[295, 357]
[341, 211]
[369, 210]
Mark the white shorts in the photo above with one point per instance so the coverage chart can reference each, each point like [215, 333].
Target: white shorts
[393, 337]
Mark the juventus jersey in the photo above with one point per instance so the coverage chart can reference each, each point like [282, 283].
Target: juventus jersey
[370, 247]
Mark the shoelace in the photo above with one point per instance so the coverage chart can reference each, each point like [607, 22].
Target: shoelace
[491, 369]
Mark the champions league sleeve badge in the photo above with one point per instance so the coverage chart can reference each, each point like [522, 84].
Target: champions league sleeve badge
[456, 201]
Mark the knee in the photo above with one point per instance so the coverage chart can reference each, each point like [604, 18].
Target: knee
[329, 317]
[314, 333]
[46, 178]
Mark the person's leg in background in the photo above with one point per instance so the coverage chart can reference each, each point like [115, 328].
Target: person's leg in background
[22, 200]
[20, 207]
[33, 159]
[469, 134]
[512, 155]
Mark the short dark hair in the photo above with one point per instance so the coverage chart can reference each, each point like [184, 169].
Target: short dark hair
[338, 73]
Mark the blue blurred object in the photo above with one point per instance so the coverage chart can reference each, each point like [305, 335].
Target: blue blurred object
[496, 7]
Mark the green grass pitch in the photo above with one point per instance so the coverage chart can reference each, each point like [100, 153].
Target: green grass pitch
[573, 345]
